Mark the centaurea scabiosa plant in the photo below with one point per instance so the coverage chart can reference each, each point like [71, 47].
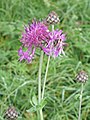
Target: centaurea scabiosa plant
[37, 35]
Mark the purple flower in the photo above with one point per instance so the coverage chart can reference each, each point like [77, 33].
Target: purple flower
[34, 36]
[56, 43]
[38, 35]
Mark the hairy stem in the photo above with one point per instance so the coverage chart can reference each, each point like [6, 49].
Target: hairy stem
[79, 117]
[39, 84]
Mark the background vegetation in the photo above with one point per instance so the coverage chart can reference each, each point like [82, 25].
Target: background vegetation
[18, 81]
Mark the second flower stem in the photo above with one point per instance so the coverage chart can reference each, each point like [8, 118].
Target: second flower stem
[79, 117]
[43, 89]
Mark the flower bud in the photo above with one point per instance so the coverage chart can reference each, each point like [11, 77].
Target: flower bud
[82, 77]
[11, 114]
[52, 18]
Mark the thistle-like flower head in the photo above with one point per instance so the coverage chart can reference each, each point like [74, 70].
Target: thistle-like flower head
[32, 37]
[37, 34]
[56, 43]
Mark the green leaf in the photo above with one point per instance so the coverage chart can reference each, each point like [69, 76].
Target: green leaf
[42, 103]
[34, 100]
[32, 109]
[37, 107]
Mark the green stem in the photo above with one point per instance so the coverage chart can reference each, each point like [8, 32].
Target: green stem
[41, 115]
[79, 117]
[39, 85]
[43, 89]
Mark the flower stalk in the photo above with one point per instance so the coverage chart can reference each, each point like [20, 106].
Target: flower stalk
[43, 90]
[39, 85]
[79, 117]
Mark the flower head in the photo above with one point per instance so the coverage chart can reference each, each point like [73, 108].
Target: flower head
[55, 44]
[82, 76]
[11, 114]
[32, 37]
[38, 35]
[52, 18]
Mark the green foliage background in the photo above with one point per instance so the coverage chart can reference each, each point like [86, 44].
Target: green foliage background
[18, 81]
